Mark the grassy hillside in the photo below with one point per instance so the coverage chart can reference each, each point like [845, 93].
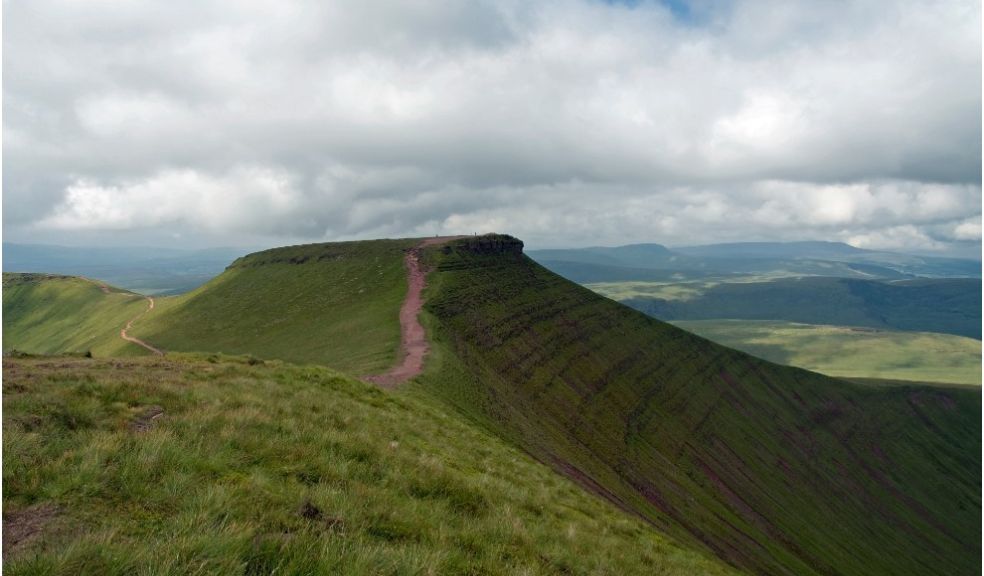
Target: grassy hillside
[949, 306]
[44, 314]
[331, 304]
[263, 469]
[850, 352]
[775, 469]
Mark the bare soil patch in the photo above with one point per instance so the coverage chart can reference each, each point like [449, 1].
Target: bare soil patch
[413, 339]
[138, 341]
[22, 527]
[147, 419]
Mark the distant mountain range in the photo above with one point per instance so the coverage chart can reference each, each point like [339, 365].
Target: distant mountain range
[812, 282]
[163, 270]
[638, 261]
[149, 270]
[944, 305]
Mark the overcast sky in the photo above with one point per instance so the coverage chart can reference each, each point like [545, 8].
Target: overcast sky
[566, 123]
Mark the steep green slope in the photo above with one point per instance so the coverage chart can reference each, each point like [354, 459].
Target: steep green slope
[331, 304]
[775, 469]
[844, 351]
[949, 306]
[274, 469]
[44, 314]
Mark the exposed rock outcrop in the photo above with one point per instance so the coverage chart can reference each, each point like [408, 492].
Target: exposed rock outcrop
[487, 244]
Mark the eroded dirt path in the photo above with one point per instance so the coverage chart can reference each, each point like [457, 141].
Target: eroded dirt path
[123, 331]
[138, 341]
[413, 339]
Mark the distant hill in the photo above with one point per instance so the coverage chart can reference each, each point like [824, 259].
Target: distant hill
[763, 258]
[631, 256]
[828, 283]
[908, 264]
[148, 270]
[331, 304]
[729, 270]
[949, 306]
[45, 314]
[809, 249]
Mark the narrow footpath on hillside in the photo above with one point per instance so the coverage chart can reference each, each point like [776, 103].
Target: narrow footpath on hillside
[123, 331]
[138, 341]
[413, 339]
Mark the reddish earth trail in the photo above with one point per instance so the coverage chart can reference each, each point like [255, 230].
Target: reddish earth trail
[413, 340]
[123, 334]
[138, 341]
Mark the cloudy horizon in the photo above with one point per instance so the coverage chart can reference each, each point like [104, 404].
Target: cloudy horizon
[565, 123]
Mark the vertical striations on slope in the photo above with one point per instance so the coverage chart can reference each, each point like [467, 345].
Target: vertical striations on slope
[777, 470]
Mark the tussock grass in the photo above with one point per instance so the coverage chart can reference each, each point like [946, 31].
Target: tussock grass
[260, 468]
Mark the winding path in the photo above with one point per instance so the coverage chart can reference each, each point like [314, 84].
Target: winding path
[150, 306]
[413, 339]
[138, 341]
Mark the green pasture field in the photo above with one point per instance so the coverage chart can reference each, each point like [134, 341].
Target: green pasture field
[848, 352]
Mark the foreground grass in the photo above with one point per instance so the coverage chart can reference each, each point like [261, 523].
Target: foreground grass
[45, 314]
[850, 352]
[331, 304]
[261, 469]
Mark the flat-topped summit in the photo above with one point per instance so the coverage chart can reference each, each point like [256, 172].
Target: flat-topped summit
[327, 252]
[487, 244]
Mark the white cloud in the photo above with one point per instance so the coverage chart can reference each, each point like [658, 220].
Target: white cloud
[906, 237]
[564, 121]
[246, 197]
[968, 230]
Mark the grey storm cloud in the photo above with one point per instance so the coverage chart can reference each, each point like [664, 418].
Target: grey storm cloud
[563, 122]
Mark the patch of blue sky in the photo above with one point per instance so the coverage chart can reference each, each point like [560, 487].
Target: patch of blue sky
[690, 12]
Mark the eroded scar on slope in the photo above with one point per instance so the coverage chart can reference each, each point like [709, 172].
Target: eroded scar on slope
[138, 341]
[123, 331]
[413, 338]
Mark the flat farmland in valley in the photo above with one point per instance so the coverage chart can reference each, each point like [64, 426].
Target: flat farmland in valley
[851, 352]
